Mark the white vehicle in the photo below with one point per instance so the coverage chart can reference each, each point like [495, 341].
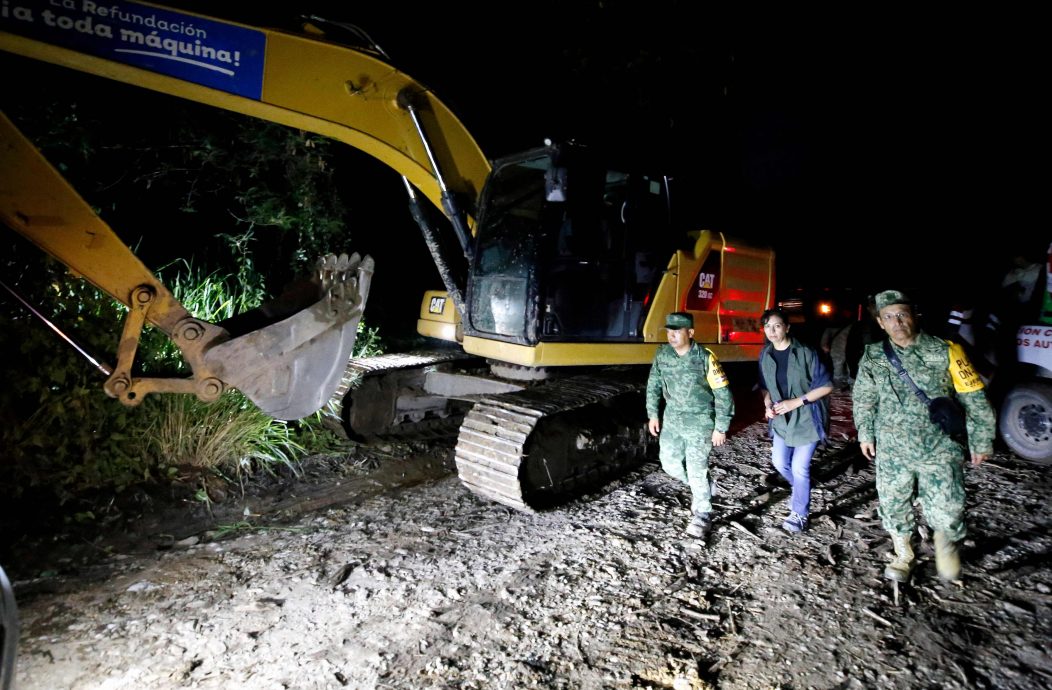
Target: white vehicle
[1025, 419]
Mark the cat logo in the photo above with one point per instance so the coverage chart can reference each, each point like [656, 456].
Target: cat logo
[437, 305]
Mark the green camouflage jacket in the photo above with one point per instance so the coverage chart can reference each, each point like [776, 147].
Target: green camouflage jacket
[691, 384]
[887, 411]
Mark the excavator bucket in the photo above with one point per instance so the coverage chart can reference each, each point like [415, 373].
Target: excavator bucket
[291, 368]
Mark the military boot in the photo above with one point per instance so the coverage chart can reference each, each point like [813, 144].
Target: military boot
[947, 562]
[699, 526]
[902, 561]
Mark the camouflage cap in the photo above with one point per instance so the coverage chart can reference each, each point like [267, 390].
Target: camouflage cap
[889, 297]
[679, 319]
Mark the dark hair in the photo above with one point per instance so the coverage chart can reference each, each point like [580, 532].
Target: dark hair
[775, 311]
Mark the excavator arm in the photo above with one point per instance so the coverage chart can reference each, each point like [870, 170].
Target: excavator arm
[290, 367]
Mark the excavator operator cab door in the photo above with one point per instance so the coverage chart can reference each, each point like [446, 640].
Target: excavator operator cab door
[567, 250]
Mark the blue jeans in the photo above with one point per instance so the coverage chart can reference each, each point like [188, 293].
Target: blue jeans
[795, 465]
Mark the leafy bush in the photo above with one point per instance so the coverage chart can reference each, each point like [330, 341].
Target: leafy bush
[60, 430]
[218, 177]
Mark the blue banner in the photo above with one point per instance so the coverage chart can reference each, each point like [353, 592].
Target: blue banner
[202, 51]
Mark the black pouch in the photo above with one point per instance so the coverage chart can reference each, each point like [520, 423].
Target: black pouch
[948, 415]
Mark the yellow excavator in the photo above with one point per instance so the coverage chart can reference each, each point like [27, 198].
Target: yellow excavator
[558, 264]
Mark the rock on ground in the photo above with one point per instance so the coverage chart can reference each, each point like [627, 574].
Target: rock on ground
[401, 578]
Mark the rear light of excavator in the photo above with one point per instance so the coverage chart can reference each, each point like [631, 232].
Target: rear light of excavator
[743, 337]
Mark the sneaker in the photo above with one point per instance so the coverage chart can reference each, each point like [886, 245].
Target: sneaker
[699, 526]
[795, 523]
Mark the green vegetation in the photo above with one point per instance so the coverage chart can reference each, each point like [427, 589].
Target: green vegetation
[234, 211]
[60, 430]
[230, 433]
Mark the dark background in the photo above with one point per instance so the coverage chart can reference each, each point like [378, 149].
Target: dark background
[872, 148]
[869, 149]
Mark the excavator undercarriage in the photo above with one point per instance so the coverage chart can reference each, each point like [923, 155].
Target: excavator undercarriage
[532, 448]
[524, 443]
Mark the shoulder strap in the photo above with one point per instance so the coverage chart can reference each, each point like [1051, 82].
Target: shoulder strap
[903, 374]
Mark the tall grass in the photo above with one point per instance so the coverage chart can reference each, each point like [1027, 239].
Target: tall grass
[230, 435]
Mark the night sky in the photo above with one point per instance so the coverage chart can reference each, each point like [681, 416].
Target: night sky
[865, 148]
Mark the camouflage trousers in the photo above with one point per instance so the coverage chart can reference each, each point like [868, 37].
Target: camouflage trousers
[684, 453]
[938, 486]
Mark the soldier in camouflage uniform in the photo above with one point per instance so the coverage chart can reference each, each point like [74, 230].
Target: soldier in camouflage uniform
[913, 455]
[698, 411]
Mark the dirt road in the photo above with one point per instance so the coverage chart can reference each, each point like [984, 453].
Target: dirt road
[400, 578]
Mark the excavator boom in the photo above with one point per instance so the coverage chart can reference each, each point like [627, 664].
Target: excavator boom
[301, 81]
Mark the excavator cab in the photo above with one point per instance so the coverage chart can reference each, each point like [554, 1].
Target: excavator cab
[567, 249]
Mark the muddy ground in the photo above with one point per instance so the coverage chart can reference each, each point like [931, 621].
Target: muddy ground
[364, 573]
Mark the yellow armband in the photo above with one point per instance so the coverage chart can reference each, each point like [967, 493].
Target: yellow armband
[716, 377]
[965, 378]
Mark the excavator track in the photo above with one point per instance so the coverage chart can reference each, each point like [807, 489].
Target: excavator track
[382, 382]
[532, 448]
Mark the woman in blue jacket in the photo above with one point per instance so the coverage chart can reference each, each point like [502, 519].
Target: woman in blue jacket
[795, 384]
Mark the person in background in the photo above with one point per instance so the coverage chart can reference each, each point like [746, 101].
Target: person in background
[914, 457]
[795, 384]
[698, 412]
